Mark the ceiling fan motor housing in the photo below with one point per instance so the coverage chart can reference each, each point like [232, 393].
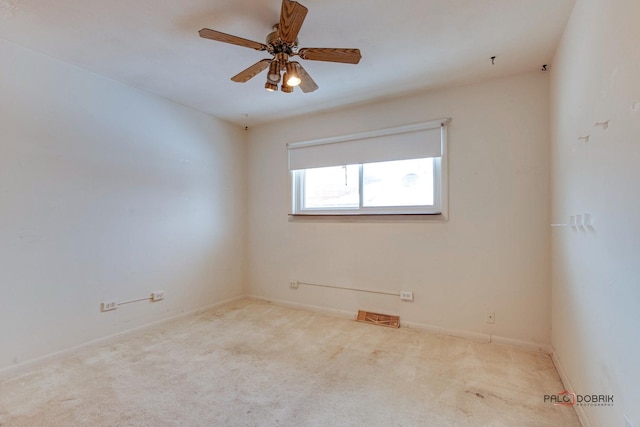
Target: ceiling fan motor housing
[275, 45]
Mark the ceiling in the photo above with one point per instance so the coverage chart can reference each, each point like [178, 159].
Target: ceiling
[406, 46]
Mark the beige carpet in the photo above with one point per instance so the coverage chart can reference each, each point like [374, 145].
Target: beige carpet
[252, 363]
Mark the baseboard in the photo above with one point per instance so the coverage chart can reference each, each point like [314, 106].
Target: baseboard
[582, 415]
[526, 345]
[28, 365]
[480, 337]
[458, 333]
[308, 307]
[469, 335]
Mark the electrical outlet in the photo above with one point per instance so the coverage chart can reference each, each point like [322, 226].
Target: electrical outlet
[491, 317]
[157, 296]
[108, 305]
[406, 295]
[293, 284]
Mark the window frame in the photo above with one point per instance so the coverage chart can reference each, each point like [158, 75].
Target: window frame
[298, 192]
[439, 210]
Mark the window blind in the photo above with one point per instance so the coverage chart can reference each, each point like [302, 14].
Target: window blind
[414, 141]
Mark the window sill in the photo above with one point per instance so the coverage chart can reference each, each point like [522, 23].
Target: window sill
[417, 217]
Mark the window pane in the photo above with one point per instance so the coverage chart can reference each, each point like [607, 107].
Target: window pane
[332, 187]
[398, 183]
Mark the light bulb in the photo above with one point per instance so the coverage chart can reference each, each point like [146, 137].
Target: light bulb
[291, 77]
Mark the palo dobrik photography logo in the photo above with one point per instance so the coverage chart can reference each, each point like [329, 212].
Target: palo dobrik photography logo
[567, 398]
[564, 398]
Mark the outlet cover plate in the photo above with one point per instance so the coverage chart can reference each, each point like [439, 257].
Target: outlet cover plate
[491, 317]
[108, 305]
[406, 295]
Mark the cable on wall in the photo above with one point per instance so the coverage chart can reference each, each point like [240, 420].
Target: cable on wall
[349, 288]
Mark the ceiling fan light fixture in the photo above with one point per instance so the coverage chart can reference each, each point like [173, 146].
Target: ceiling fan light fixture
[271, 87]
[291, 76]
[274, 72]
[286, 88]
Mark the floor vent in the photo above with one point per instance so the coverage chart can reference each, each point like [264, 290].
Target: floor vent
[378, 319]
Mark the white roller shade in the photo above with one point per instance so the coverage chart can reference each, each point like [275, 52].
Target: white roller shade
[401, 143]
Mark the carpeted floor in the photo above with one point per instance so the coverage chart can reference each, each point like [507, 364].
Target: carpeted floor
[252, 363]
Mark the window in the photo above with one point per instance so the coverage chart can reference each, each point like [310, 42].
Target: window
[391, 171]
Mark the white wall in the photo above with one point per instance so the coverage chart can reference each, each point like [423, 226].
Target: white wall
[596, 272]
[108, 192]
[492, 254]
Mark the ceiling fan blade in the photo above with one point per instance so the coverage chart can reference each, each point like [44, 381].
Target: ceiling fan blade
[348, 56]
[246, 75]
[206, 33]
[306, 82]
[291, 18]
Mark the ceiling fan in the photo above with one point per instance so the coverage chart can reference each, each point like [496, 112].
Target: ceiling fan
[282, 44]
